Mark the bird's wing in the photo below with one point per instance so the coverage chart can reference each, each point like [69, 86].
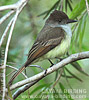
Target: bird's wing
[40, 48]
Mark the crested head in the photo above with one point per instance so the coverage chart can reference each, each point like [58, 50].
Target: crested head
[59, 17]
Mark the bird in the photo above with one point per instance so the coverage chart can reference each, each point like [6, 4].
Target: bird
[52, 41]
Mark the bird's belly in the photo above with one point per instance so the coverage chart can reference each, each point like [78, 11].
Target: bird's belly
[60, 50]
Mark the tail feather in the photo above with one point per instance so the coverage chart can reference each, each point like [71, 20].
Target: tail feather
[16, 74]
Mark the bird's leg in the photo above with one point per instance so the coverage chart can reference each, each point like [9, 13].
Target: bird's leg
[67, 54]
[51, 62]
[61, 59]
[58, 58]
[25, 71]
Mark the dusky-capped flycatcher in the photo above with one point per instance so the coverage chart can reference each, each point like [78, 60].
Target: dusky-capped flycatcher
[53, 40]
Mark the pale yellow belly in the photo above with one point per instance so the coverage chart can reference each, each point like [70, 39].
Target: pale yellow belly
[60, 50]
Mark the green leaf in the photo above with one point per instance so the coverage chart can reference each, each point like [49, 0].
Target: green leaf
[43, 93]
[70, 6]
[57, 73]
[78, 67]
[53, 7]
[83, 24]
[71, 1]
[66, 5]
[67, 79]
[65, 93]
[9, 93]
[79, 8]
[73, 75]
[78, 31]
[42, 13]
[40, 87]
[56, 95]
[68, 2]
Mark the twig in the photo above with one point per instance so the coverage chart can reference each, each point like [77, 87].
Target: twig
[6, 16]
[13, 6]
[5, 32]
[67, 79]
[72, 58]
[37, 67]
[18, 7]
[16, 69]
[38, 77]
[58, 78]
[24, 88]
[6, 53]
[73, 75]
[87, 7]
[18, 4]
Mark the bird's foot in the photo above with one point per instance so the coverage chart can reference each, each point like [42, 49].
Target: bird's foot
[25, 72]
[45, 72]
[51, 62]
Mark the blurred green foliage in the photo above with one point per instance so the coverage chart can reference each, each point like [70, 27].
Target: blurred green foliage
[28, 25]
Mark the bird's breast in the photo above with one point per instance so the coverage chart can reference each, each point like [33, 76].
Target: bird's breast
[59, 50]
[62, 48]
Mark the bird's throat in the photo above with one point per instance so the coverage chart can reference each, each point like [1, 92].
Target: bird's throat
[67, 29]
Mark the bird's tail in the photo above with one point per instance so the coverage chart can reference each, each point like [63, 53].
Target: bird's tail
[16, 74]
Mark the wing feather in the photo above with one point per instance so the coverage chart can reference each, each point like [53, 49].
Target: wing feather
[41, 47]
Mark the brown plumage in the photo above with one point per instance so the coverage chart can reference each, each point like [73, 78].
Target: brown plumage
[57, 16]
[42, 46]
[48, 39]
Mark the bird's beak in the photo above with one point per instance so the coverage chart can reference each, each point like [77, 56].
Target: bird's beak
[71, 21]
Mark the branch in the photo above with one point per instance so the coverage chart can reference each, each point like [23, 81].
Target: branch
[6, 53]
[18, 7]
[24, 88]
[13, 6]
[58, 78]
[71, 58]
[6, 16]
[16, 70]
[87, 7]
[8, 7]
[5, 32]
[38, 77]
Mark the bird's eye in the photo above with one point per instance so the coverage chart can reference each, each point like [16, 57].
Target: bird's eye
[59, 20]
